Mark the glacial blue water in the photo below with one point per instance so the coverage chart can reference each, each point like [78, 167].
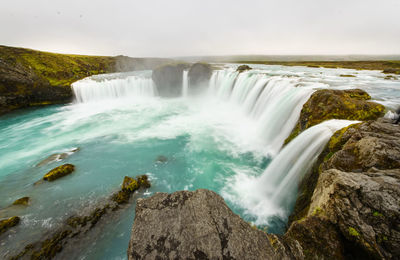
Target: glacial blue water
[120, 126]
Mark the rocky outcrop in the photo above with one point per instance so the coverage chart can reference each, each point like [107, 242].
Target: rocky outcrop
[168, 79]
[199, 225]
[199, 76]
[35, 78]
[59, 172]
[355, 187]
[328, 104]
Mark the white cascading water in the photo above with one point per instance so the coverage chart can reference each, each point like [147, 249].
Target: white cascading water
[275, 102]
[90, 90]
[274, 192]
[185, 83]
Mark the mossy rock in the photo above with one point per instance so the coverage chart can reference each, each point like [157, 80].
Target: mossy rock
[347, 76]
[6, 224]
[129, 186]
[326, 104]
[242, 68]
[59, 172]
[22, 201]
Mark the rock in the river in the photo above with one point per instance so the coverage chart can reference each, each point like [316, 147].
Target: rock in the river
[59, 172]
[199, 225]
[161, 159]
[328, 104]
[57, 157]
[22, 201]
[199, 76]
[6, 224]
[242, 68]
[168, 79]
[129, 186]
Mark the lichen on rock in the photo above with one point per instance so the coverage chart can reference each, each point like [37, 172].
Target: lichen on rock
[6, 224]
[59, 172]
[24, 201]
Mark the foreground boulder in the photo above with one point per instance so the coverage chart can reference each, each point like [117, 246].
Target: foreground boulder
[6, 224]
[199, 76]
[168, 79]
[328, 104]
[199, 225]
[59, 172]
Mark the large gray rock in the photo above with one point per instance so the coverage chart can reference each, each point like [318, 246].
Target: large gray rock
[199, 225]
[168, 79]
[199, 77]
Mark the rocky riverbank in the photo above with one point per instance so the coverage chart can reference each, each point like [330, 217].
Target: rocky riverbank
[34, 78]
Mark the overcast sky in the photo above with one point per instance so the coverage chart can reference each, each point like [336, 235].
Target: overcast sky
[203, 27]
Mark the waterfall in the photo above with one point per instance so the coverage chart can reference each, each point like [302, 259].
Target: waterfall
[274, 102]
[185, 83]
[91, 90]
[274, 192]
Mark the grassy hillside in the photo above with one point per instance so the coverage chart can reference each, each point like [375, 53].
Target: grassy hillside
[30, 78]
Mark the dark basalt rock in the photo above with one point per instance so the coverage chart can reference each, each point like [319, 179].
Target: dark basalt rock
[6, 224]
[199, 225]
[328, 104]
[199, 76]
[242, 68]
[168, 79]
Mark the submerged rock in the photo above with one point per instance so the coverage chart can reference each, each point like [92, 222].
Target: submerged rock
[199, 76]
[59, 172]
[6, 224]
[328, 104]
[199, 225]
[57, 157]
[161, 159]
[168, 79]
[22, 201]
[242, 68]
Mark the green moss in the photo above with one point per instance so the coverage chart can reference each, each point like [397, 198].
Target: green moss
[129, 186]
[59, 172]
[6, 224]
[317, 211]
[377, 214]
[22, 201]
[353, 232]
[50, 247]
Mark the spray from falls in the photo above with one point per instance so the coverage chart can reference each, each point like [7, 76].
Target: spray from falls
[274, 192]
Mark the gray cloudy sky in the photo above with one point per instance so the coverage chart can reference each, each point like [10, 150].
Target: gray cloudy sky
[204, 27]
